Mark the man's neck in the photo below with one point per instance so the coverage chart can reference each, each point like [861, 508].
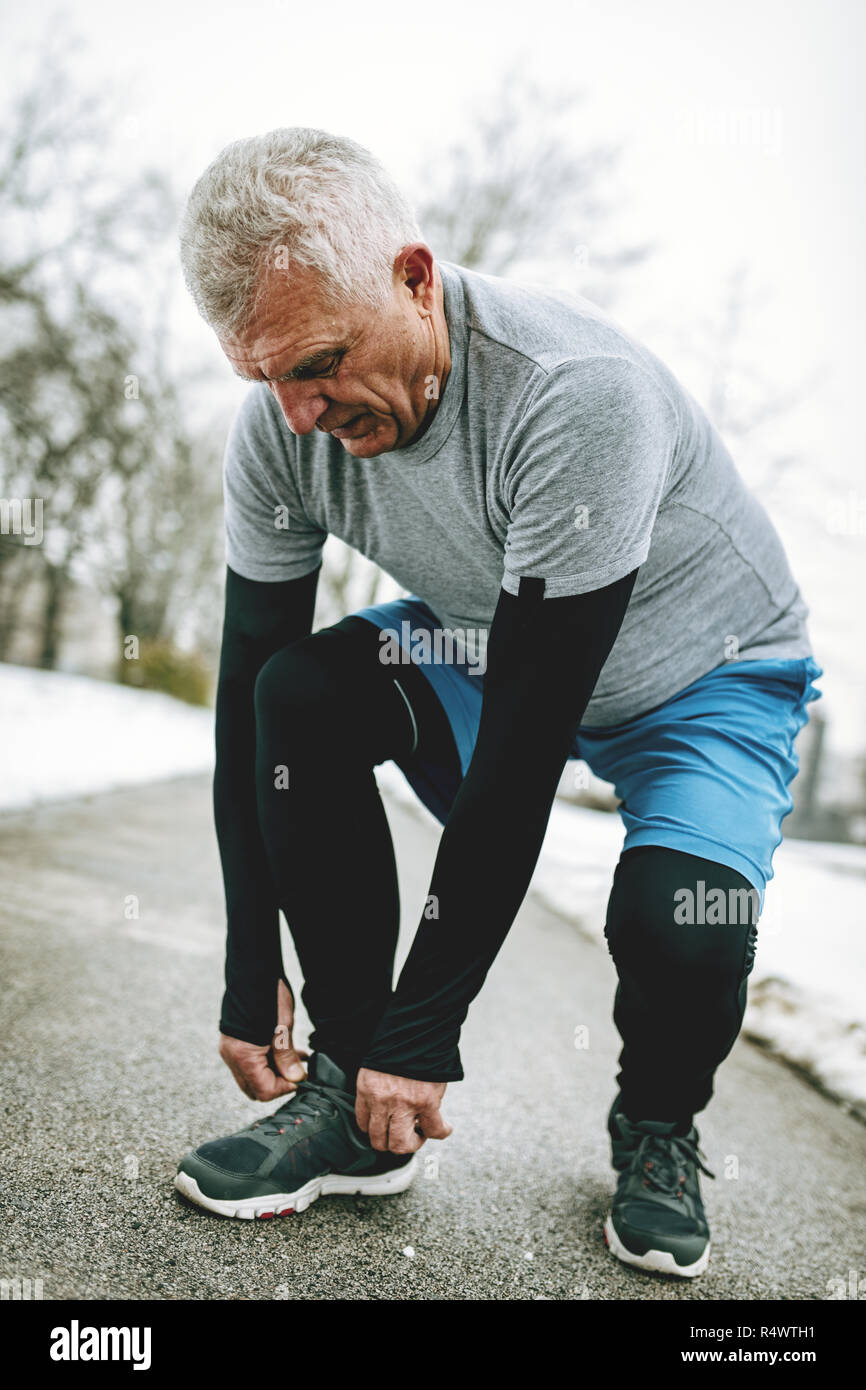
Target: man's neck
[434, 381]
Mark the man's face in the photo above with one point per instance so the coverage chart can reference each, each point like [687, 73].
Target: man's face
[356, 373]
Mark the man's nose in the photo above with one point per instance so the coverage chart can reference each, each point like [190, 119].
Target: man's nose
[301, 404]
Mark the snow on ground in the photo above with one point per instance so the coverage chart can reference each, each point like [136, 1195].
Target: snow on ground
[807, 994]
[66, 736]
[70, 735]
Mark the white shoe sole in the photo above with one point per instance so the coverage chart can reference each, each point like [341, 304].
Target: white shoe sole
[284, 1203]
[656, 1261]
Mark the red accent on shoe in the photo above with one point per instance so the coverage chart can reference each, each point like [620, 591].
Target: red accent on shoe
[263, 1215]
[285, 1211]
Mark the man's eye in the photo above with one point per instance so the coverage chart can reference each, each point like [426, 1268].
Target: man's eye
[328, 368]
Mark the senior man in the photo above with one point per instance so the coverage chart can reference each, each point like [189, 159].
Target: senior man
[560, 509]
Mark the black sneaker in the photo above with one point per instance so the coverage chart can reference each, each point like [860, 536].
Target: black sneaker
[657, 1219]
[311, 1146]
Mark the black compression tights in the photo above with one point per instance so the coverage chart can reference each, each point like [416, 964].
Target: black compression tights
[682, 984]
[327, 712]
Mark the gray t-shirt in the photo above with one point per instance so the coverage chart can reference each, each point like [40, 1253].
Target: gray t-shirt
[560, 448]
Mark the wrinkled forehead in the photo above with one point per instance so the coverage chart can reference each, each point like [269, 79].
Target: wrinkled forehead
[292, 317]
[295, 298]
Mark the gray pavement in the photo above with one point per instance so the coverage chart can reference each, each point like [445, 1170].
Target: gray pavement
[109, 1073]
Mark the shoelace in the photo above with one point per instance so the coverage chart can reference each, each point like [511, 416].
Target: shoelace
[311, 1098]
[661, 1159]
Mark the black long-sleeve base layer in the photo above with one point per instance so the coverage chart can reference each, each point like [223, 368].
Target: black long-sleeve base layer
[259, 620]
[320, 728]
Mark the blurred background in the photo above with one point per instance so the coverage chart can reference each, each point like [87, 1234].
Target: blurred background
[694, 169]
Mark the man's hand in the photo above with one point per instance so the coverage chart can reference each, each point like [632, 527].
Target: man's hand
[399, 1114]
[265, 1073]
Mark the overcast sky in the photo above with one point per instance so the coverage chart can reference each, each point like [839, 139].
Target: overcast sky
[742, 125]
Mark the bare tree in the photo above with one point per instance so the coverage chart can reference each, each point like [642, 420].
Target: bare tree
[520, 189]
[62, 393]
[155, 541]
[92, 422]
[739, 396]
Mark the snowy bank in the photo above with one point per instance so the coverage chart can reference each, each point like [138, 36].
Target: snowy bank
[70, 736]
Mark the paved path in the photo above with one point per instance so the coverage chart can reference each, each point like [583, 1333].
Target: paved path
[110, 1073]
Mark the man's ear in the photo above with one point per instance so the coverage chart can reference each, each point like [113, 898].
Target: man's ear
[414, 269]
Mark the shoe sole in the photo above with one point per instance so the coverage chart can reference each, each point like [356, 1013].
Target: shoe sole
[285, 1203]
[654, 1261]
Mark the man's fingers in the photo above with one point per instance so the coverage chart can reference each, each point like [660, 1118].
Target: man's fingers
[270, 1087]
[432, 1124]
[362, 1112]
[287, 1058]
[377, 1126]
[403, 1138]
[285, 1005]
[397, 1113]
[254, 1071]
[260, 1083]
[287, 1062]
[286, 1055]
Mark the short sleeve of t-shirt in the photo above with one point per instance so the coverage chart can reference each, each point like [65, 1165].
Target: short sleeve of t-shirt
[267, 535]
[585, 472]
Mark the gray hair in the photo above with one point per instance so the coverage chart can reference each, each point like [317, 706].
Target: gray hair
[293, 197]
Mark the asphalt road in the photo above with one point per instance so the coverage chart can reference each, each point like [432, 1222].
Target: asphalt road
[109, 1073]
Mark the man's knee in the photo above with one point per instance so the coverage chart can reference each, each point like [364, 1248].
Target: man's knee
[671, 912]
[327, 696]
[295, 687]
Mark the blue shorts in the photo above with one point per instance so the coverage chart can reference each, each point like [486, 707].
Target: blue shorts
[707, 772]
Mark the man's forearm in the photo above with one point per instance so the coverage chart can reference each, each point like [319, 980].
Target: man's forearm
[253, 959]
[259, 620]
[544, 659]
[487, 855]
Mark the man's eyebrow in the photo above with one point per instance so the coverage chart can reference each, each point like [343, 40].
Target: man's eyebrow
[306, 363]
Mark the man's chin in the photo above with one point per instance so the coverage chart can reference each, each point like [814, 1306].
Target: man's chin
[368, 445]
